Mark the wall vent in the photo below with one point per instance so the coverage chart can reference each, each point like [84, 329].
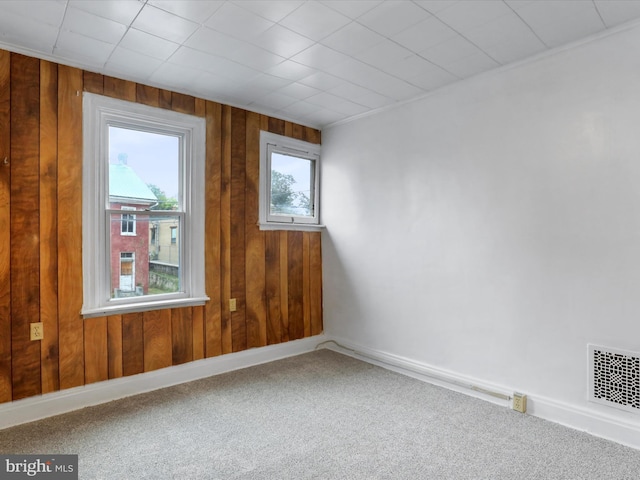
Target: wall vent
[614, 378]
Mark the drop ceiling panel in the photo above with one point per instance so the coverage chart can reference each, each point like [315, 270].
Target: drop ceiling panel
[310, 61]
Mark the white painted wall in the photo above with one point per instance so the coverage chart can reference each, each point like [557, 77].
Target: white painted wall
[492, 229]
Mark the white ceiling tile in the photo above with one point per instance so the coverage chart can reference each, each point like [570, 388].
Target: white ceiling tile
[432, 79]
[212, 85]
[261, 85]
[320, 57]
[425, 34]
[148, 44]
[338, 104]
[274, 10]
[353, 38]
[466, 14]
[211, 41]
[392, 87]
[298, 91]
[515, 49]
[300, 109]
[354, 71]
[238, 22]
[131, 64]
[472, 65]
[91, 25]
[20, 31]
[315, 20]
[198, 60]
[41, 11]
[615, 12]
[352, 8]
[163, 24]
[194, 10]
[255, 57]
[450, 51]
[121, 11]
[273, 101]
[417, 67]
[291, 70]
[170, 74]
[282, 41]
[435, 6]
[390, 18]
[322, 116]
[321, 80]
[374, 100]
[71, 43]
[384, 54]
[557, 22]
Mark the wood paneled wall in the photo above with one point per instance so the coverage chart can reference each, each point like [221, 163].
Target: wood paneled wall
[275, 276]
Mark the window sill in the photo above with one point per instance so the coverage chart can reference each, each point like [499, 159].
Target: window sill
[302, 227]
[142, 306]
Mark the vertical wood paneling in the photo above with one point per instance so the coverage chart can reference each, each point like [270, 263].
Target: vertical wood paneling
[213, 326]
[295, 279]
[255, 240]
[237, 246]
[164, 99]
[182, 335]
[197, 322]
[148, 95]
[315, 282]
[49, 225]
[25, 226]
[183, 103]
[225, 230]
[96, 352]
[272, 287]
[306, 283]
[157, 339]
[132, 344]
[93, 83]
[114, 345]
[275, 276]
[284, 286]
[70, 323]
[5, 221]
[122, 89]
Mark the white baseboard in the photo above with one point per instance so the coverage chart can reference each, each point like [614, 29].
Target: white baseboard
[625, 431]
[48, 405]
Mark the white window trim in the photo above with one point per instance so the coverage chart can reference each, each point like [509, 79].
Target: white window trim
[133, 219]
[269, 143]
[98, 113]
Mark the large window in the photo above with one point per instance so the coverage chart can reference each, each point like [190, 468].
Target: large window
[289, 183]
[143, 208]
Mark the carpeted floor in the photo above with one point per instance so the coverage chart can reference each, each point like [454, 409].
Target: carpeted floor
[321, 415]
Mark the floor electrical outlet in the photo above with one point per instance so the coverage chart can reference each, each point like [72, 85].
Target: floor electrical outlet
[520, 402]
[37, 333]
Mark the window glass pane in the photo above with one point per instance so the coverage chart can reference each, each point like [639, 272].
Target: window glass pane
[291, 185]
[144, 168]
[149, 262]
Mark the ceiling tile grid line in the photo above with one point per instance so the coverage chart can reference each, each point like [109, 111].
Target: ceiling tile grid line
[310, 61]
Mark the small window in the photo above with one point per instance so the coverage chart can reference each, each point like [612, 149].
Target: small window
[143, 208]
[289, 183]
[128, 222]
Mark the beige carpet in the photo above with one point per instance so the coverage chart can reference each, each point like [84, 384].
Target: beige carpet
[320, 415]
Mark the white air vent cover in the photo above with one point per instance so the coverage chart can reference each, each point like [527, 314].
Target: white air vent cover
[614, 378]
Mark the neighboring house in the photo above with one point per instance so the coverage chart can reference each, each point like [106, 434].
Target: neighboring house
[129, 236]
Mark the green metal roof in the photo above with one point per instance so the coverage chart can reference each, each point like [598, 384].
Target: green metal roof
[125, 183]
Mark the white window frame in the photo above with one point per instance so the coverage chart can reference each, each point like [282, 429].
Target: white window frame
[132, 218]
[272, 143]
[99, 113]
